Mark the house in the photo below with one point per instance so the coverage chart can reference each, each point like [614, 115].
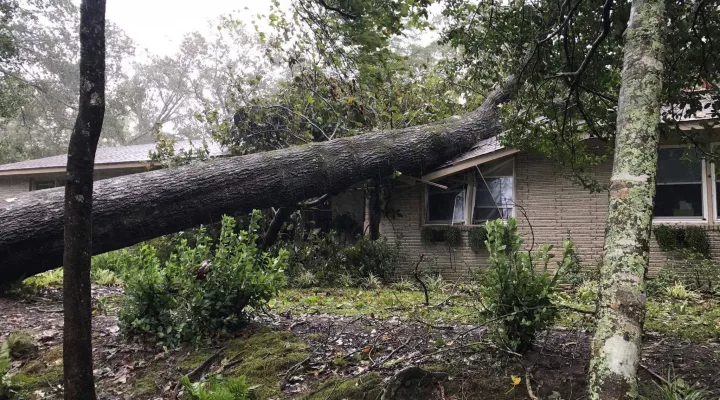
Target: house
[490, 182]
[49, 172]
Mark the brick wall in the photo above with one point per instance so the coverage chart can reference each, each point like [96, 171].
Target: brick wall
[554, 207]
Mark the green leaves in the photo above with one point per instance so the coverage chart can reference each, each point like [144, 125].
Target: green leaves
[201, 291]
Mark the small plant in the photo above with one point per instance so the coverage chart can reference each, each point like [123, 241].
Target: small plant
[403, 285]
[587, 292]
[372, 282]
[517, 288]
[680, 292]
[674, 388]
[217, 388]
[665, 278]
[20, 343]
[305, 279]
[451, 235]
[436, 283]
[367, 258]
[104, 277]
[476, 238]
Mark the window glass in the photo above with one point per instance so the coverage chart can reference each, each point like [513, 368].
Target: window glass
[679, 185]
[446, 205]
[493, 198]
[673, 168]
[40, 185]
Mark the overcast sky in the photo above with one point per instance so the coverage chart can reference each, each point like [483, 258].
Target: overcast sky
[159, 25]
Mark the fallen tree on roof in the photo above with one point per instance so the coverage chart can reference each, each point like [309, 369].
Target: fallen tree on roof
[134, 208]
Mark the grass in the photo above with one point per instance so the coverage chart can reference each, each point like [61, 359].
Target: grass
[43, 373]
[696, 320]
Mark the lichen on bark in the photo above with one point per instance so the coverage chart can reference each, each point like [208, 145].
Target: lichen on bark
[616, 345]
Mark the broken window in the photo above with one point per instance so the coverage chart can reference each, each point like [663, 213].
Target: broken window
[493, 193]
[446, 206]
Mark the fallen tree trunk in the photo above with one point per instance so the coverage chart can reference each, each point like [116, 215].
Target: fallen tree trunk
[135, 208]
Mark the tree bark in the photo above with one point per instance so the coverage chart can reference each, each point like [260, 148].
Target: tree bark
[79, 383]
[271, 235]
[135, 208]
[615, 350]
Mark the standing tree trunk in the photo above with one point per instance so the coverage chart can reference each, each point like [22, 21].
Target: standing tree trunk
[77, 337]
[615, 351]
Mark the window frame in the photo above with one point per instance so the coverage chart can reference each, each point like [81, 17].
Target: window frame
[713, 187]
[34, 184]
[470, 187]
[703, 181]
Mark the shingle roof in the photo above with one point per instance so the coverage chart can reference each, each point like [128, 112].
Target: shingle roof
[110, 155]
[482, 147]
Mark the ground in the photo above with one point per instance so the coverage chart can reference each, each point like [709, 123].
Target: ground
[346, 343]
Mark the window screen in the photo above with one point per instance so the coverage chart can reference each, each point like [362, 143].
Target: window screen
[40, 185]
[493, 198]
[679, 185]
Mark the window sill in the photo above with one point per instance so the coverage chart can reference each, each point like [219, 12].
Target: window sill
[461, 227]
[679, 221]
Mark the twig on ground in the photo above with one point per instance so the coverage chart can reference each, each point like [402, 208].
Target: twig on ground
[198, 372]
[528, 375]
[654, 374]
[295, 368]
[438, 327]
[417, 278]
[295, 324]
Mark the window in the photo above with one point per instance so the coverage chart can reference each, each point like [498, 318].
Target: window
[446, 206]
[493, 194]
[40, 185]
[473, 197]
[680, 192]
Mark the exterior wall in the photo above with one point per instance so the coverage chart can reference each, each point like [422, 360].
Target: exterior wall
[14, 185]
[11, 186]
[549, 209]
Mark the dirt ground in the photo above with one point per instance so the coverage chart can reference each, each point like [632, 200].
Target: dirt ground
[330, 353]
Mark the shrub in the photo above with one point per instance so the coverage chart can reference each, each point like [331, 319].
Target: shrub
[217, 388]
[331, 263]
[476, 238]
[203, 290]
[517, 287]
[449, 234]
[693, 239]
[104, 277]
[368, 258]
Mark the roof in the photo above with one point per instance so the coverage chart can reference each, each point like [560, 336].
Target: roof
[485, 146]
[139, 153]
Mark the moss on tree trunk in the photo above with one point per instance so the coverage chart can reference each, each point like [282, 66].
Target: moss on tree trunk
[621, 306]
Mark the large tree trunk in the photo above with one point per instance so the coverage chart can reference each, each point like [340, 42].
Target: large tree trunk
[621, 307]
[79, 383]
[134, 208]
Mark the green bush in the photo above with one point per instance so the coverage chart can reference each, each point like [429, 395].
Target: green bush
[217, 388]
[693, 239]
[669, 238]
[202, 291]
[476, 238]
[517, 287]
[368, 258]
[697, 240]
[323, 260]
[449, 234]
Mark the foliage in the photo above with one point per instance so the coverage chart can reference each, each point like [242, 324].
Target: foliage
[323, 260]
[656, 285]
[403, 285]
[104, 277]
[376, 258]
[217, 388]
[678, 291]
[476, 238]
[587, 292]
[695, 271]
[19, 343]
[675, 388]
[449, 234]
[693, 239]
[517, 287]
[202, 291]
